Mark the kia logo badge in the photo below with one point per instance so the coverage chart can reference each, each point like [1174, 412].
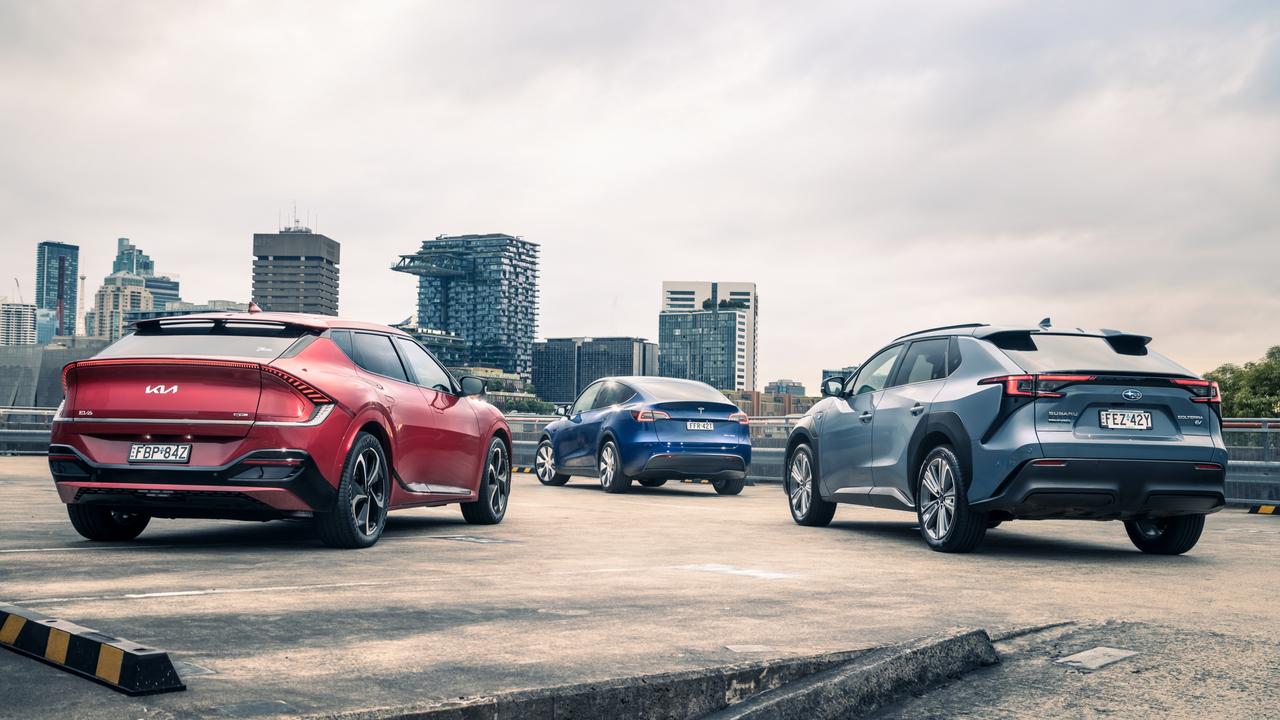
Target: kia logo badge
[161, 389]
[1131, 395]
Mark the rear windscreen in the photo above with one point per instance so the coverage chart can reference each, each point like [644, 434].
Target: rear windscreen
[1036, 353]
[259, 342]
[688, 392]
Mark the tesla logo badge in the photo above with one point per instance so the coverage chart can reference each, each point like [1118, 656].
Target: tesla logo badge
[1131, 395]
[161, 389]
[700, 410]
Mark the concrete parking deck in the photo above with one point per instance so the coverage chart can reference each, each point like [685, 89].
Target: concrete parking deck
[575, 585]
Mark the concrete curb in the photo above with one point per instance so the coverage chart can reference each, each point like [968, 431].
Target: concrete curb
[870, 682]
[868, 677]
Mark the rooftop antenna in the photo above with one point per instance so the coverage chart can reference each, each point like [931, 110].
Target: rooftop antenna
[1045, 323]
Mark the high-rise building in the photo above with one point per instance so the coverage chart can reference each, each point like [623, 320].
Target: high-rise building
[46, 326]
[130, 259]
[844, 373]
[785, 387]
[707, 332]
[296, 270]
[121, 293]
[482, 289]
[57, 265]
[17, 324]
[562, 367]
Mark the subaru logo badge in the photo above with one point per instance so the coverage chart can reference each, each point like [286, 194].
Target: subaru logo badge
[1131, 395]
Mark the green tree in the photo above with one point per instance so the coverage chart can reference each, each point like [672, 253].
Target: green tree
[1252, 390]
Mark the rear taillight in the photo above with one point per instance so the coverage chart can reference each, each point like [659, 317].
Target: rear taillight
[306, 390]
[1032, 386]
[741, 418]
[1202, 391]
[649, 415]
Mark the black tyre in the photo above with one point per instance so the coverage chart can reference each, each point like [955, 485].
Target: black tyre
[495, 487]
[993, 524]
[544, 465]
[729, 487]
[800, 481]
[942, 505]
[1165, 536]
[653, 483]
[106, 525]
[612, 477]
[360, 514]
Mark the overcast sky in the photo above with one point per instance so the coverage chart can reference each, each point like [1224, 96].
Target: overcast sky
[875, 168]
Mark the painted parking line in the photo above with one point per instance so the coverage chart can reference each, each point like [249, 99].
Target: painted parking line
[190, 593]
[87, 548]
[733, 570]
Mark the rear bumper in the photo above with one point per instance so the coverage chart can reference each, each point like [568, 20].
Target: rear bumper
[669, 461]
[1108, 489]
[260, 484]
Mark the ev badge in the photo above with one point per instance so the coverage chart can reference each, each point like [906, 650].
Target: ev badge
[1131, 395]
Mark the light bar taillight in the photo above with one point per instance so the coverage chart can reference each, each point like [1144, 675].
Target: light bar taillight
[741, 418]
[307, 391]
[1202, 391]
[649, 415]
[1033, 386]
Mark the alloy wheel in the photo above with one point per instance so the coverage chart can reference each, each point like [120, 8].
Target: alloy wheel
[937, 499]
[369, 501]
[801, 485]
[608, 465]
[498, 474]
[543, 463]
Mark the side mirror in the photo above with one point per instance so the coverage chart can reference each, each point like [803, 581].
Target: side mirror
[832, 387]
[471, 385]
[562, 410]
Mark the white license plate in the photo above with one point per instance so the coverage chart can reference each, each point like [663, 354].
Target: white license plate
[700, 425]
[1125, 419]
[159, 452]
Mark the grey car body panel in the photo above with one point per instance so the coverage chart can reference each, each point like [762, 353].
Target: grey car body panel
[872, 459]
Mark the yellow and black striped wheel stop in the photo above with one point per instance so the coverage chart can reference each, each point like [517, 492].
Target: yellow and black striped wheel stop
[121, 665]
[1272, 509]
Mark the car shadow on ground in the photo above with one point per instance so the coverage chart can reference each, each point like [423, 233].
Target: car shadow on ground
[671, 489]
[1007, 541]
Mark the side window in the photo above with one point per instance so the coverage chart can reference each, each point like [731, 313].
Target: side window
[426, 371]
[586, 399]
[376, 354]
[342, 338]
[925, 360]
[614, 393]
[874, 374]
[953, 355]
[625, 394]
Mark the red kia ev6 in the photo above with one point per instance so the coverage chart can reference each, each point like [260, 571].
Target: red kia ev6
[262, 416]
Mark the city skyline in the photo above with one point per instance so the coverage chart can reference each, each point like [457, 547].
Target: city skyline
[829, 173]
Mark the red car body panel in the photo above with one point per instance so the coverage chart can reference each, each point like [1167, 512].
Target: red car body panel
[268, 436]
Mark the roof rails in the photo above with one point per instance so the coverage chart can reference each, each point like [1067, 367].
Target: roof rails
[943, 327]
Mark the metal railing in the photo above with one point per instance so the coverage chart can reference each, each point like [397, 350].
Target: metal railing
[1253, 445]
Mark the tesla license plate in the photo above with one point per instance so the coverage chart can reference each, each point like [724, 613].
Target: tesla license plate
[159, 452]
[1125, 420]
[700, 425]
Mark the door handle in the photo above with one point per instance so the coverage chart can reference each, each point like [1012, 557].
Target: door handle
[866, 416]
[917, 409]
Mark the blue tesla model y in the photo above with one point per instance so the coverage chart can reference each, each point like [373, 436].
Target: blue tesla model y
[648, 429]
